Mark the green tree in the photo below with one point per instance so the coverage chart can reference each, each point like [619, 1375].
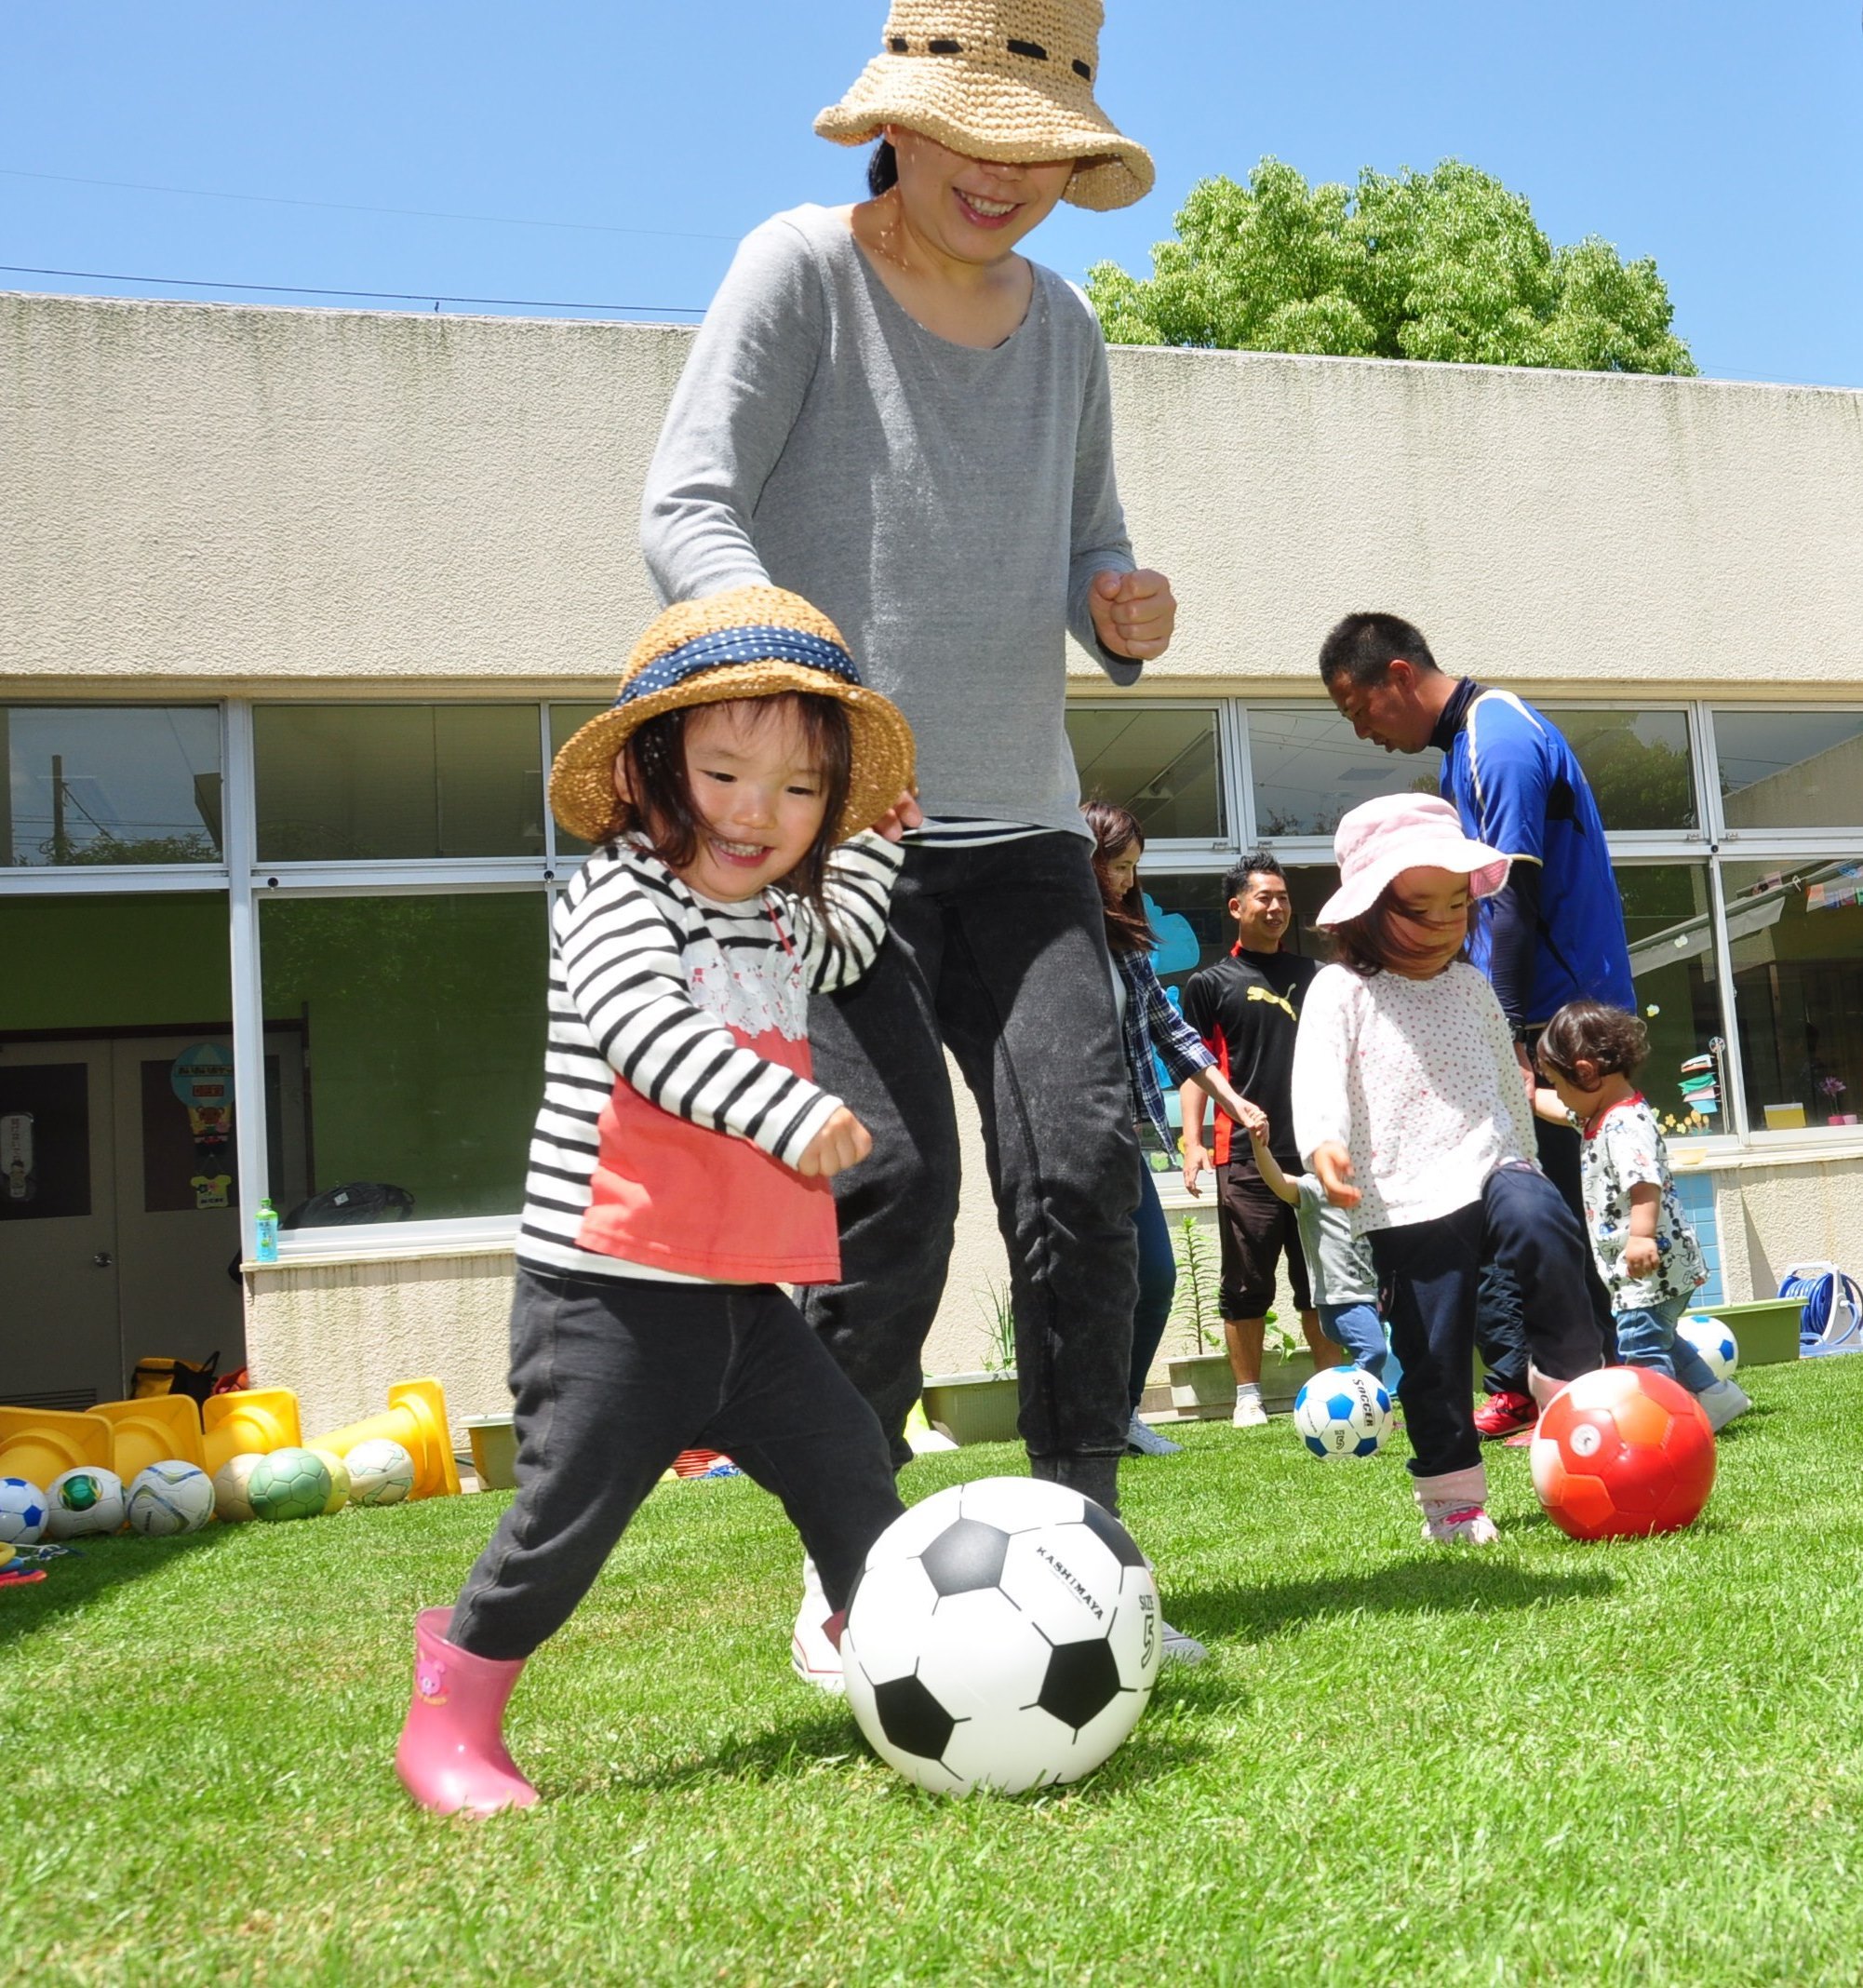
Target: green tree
[1446, 264]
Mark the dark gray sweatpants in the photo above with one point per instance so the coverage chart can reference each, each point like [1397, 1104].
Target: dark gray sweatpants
[612, 1378]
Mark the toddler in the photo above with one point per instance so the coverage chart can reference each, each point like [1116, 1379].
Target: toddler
[1645, 1251]
[680, 1164]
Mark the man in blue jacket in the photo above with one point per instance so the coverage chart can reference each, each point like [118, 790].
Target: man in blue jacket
[1554, 934]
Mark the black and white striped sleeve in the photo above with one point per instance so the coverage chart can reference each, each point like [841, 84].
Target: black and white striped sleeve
[620, 950]
[859, 889]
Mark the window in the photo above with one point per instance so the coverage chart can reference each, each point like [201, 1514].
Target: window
[1790, 769]
[566, 721]
[1163, 763]
[355, 782]
[109, 784]
[1309, 769]
[1668, 920]
[1637, 765]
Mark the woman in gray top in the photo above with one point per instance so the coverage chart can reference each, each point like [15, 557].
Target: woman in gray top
[892, 412]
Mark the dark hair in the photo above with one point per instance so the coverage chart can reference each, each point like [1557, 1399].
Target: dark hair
[1257, 863]
[662, 811]
[1611, 1038]
[1116, 828]
[1368, 944]
[1364, 647]
[882, 170]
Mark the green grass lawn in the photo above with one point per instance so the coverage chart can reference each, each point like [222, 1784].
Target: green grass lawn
[1638, 1763]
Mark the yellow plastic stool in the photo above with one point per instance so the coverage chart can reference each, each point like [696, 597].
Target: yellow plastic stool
[250, 1421]
[151, 1430]
[42, 1443]
[416, 1418]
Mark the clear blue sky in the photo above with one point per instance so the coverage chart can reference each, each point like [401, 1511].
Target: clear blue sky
[1725, 140]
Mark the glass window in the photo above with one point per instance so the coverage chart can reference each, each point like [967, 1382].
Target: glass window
[345, 782]
[1636, 764]
[1667, 920]
[424, 1025]
[1162, 764]
[109, 784]
[565, 722]
[1309, 769]
[1791, 769]
[1796, 934]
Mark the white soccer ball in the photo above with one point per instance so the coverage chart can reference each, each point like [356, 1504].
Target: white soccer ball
[83, 1500]
[1343, 1411]
[1003, 1635]
[1714, 1341]
[171, 1497]
[231, 1487]
[380, 1472]
[23, 1511]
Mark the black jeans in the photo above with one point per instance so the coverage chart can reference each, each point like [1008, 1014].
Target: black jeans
[1429, 1275]
[612, 1380]
[999, 953]
[1500, 1330]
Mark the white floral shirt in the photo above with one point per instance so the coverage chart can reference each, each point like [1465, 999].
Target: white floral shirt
[1624, 1148]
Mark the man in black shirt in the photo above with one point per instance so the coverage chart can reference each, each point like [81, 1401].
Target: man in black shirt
[1246, 1007]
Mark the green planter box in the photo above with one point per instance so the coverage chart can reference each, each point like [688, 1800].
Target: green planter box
[973, 1407]
[1766, 1330]
[494, 1451]
[1203, 1388]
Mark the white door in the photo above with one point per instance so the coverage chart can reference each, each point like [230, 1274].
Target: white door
[60, 1345]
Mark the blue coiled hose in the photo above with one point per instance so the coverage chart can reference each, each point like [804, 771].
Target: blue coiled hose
[1833, 1308]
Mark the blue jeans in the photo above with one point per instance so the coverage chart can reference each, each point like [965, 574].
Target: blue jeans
[1362, 1331]
[1157, 1280]
[1647, 1338]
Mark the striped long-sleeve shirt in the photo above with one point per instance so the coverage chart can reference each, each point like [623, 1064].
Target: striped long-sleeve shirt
[656, 987]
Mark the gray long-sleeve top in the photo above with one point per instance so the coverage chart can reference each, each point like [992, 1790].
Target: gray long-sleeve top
[947, 508]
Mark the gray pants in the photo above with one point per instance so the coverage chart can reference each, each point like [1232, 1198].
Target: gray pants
[612, 1380]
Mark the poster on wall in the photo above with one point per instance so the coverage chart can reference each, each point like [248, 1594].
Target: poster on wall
[19, 1177]
[202, 1079]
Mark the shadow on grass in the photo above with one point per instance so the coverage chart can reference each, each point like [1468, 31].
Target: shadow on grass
[75, 1579]
[1458, 1585]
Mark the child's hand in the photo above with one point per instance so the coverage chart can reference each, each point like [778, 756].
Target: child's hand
[1253, 1121]
[905, 813]
[1133, 613]
[841, 1143]
[1641, 1257]
[1333, 1167]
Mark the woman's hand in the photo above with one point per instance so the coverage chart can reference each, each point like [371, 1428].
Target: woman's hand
[1133, 613]
[905, 813]
[841, 1143]
[1333, 1167]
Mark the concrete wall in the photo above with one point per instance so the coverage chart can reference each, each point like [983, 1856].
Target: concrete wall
[214, 499]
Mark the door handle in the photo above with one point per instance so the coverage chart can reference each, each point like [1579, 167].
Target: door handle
[102, 1259]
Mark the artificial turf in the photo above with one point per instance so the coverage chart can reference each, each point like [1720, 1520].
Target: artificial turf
[1538, 1761]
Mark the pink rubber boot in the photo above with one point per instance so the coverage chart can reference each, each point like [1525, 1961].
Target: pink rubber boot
[451, 1755]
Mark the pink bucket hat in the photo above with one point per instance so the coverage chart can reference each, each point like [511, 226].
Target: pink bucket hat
[1379, 840]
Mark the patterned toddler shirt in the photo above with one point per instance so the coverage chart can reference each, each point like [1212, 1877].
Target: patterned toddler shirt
[1624, 1148]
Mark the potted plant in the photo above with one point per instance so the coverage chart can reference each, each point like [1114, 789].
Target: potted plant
[982, 1406]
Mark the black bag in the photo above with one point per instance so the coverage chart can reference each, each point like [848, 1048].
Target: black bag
[192, 1377]
[355, 1202]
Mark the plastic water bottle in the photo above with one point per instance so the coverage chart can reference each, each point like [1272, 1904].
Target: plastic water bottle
[265, 1233]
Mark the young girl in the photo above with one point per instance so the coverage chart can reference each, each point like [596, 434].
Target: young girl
[1405, 1081]
[1645, 1251]
[680, 1162]
[1150, 1022]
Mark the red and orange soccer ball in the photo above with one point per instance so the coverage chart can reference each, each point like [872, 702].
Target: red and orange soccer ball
[1621, 1453]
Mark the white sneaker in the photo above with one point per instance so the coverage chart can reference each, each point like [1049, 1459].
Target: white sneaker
[1723, 1402]
[1250, 1414]
[813, 1657]
[1449, 1525]
[1143, 1439]
[1180, 1649]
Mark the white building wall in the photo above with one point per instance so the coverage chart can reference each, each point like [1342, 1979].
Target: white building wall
[216, 499]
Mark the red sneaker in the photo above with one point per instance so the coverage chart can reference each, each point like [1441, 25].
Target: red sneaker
[1503, 1413]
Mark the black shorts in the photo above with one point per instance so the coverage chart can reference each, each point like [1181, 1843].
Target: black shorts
[1256, 1228]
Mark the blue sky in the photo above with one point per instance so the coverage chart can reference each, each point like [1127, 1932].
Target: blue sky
[1725, 140]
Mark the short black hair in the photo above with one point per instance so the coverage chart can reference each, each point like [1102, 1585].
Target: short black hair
[1257, 863]
[882, 170]
[1612, 1039]
[1364, 647]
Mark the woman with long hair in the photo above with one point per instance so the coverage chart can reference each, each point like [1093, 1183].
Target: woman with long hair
[1150, 1026]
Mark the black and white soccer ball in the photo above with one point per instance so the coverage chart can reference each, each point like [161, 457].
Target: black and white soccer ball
[1003, 1634]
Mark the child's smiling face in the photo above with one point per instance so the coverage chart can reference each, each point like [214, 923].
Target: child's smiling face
[759, 793]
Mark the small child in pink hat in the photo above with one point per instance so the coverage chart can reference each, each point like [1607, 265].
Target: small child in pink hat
[1411, 1107]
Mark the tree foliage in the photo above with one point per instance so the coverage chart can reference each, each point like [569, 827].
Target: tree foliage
[1446, 264]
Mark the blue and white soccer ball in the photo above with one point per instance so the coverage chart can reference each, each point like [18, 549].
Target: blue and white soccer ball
[171, 1497]
[23, 1511]
[1343, 1411]
[1713, 1339]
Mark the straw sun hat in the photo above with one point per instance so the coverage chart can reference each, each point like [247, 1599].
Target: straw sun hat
[1010, 80]
[755, 641]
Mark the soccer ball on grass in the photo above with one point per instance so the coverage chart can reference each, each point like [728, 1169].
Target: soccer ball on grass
[22, 1512]
[1343, 1411]
[1621, 1453]
[380, 1472]
[83, 1500]
[171, 1497]
[290, 1483]
[1714, 1341]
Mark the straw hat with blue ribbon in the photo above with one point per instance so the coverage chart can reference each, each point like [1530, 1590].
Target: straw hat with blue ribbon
[755, 641]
